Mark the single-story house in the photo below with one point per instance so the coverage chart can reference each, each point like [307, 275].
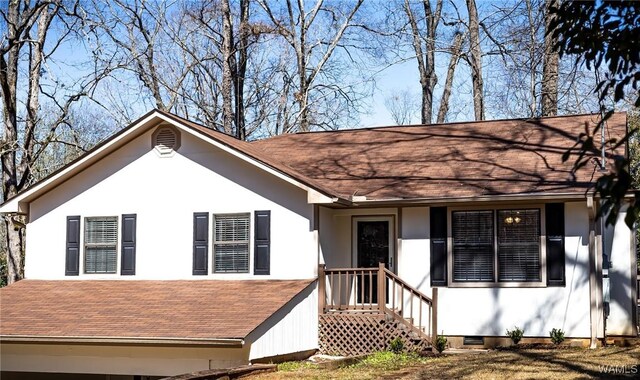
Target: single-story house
[171, 248]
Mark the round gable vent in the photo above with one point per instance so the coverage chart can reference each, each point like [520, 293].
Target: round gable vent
[166, 140]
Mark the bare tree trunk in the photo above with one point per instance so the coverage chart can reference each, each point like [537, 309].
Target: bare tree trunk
[293, 25]
[476, 61]
[426, 59]
[446, 92]
[241, 70]
[550, 66]
[228, 65]
[28, 23]
[18, 20]
[15, 231]
[533, 59]
[33, 95]
[8, 84]
[300, 47]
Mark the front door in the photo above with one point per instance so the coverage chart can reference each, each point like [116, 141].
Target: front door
[373, 243]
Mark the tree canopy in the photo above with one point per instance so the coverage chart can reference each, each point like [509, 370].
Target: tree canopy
[604, 36]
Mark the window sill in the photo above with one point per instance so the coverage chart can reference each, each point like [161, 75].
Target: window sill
[229, 272]
[497, 285]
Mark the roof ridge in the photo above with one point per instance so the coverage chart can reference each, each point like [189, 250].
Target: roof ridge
[354, 130]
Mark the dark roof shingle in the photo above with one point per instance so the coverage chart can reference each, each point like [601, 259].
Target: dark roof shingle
[206, 309]
[457, 160]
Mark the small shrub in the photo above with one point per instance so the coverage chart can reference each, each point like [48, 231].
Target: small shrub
[557, 335]
[396, 345]
[441, 343]
[515, 334]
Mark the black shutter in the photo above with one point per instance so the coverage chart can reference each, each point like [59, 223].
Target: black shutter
[128, 247]
[200, 243]
[554, 219]
[72, 262]
[262, 242]
[438, 224]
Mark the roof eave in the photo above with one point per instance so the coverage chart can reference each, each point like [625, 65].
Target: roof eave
[20, 202]
[488, 198]
[211, 342]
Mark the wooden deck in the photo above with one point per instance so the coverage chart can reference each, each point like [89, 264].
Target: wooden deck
[362, 309]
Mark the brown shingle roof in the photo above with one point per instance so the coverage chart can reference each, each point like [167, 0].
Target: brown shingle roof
[456, 160]
[206, 309]
[253, 152]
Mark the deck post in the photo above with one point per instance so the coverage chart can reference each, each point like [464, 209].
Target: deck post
[322, 294]
[381, 288]
[434, 315]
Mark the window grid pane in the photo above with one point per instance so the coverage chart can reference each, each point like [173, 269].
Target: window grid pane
[100, 260]
[519, 245]
[231, 243]
[100, 241]
[473, 249]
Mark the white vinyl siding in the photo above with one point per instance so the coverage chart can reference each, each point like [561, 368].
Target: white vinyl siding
[100, 244]
[231, 243]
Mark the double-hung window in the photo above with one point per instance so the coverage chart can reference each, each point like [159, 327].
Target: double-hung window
[231, 243]
[100, 244]
[491, 246]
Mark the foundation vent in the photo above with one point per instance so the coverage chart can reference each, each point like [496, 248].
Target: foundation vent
[473, 341]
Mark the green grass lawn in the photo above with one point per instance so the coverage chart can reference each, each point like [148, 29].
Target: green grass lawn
[610, 362]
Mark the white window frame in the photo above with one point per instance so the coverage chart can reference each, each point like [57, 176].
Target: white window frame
[85, 244]
[215, 243]
[495, 283]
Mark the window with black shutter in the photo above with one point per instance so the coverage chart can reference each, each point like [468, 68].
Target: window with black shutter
[100, 244]
[231, 243]
[500, 245]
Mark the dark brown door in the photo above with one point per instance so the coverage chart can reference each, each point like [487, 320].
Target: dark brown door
[373, 248]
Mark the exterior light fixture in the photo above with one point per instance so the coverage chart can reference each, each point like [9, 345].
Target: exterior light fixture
[513, 219]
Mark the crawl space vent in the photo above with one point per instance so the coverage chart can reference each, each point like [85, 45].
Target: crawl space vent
[166, 140]
[473, 341]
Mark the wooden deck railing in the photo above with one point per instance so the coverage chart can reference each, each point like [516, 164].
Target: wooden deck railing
[346, 290]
